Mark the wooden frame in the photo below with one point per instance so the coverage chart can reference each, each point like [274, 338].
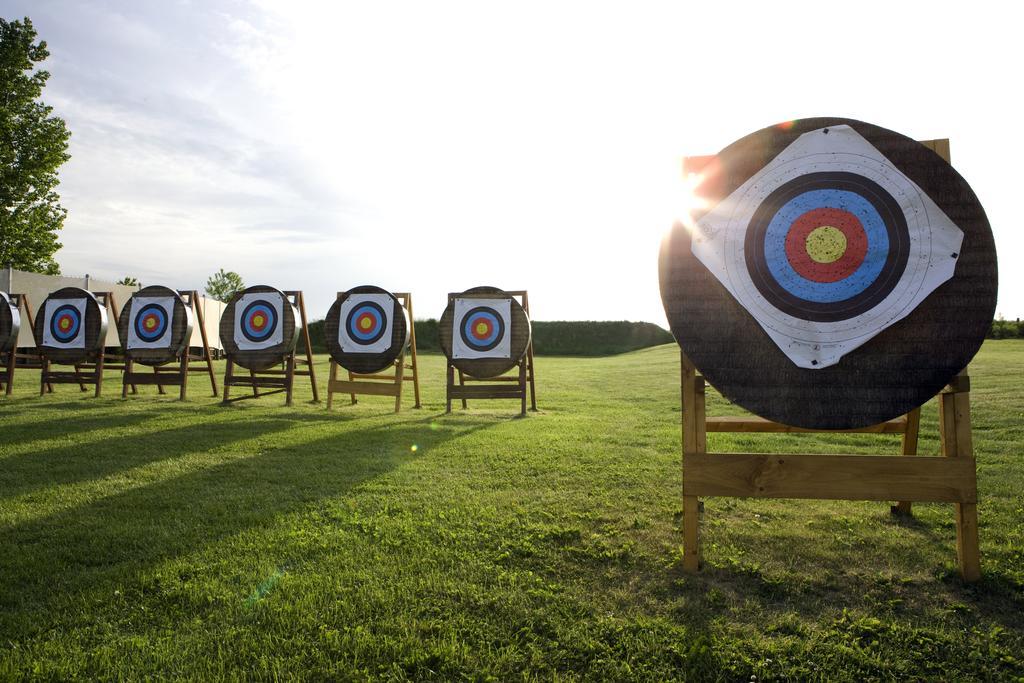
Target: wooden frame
[168, 375]
[500, 386]
[29, 360]
[950, 478]
[88, 372]
[387, 382]
[277, 381]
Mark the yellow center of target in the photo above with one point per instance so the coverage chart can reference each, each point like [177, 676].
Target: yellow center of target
[257, 320]
[826, 244]
[365, 323]
[65, 324]
[150, 323]
[481, 329]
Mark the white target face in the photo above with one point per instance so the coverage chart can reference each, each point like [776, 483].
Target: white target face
[64, 323]
[150, 322]
[828, 245]
[259, 321]
[482, 328]
[365, 324]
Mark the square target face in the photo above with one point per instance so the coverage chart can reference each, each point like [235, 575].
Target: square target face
[828, 245]
[365, 323]
[259, 322]
[64, 326]
[482, 328]
[149, 326]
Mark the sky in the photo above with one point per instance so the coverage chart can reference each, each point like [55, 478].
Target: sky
[434, 147]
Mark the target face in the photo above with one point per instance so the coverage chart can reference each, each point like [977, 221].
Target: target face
[481, 328]
[828, 245]
[149, 326]
[64, 326]
[366, 323]
[258, 321]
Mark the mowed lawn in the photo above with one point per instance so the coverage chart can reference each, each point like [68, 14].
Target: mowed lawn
[152, 538]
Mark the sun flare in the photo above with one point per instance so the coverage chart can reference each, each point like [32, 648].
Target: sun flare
[688, 201]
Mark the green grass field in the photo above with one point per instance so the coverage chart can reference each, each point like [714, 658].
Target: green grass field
[152, 538]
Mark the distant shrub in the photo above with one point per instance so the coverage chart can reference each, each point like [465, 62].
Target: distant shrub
[1006, 329]
[558, 338]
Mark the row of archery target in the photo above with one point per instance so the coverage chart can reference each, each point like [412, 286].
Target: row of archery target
[483, 331]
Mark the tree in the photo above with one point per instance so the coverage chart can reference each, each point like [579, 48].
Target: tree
[33, 145]
[222, 286]
[128, 281]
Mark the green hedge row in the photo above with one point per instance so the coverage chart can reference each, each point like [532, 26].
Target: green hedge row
[1006, 329]
[559, 338]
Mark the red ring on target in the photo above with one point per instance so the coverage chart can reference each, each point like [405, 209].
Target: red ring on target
[800, 259]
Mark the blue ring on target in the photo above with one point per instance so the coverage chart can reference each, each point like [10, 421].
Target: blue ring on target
[487, 316]
[826, 292]
[263, 332]
[375, 331]
[157, 311]
[65, 336]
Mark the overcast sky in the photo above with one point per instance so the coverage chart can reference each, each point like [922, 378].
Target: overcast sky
[432, 147]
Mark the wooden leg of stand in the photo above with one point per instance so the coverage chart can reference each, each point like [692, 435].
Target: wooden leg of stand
[955, 432]
[159, 387]
[533, 371]
[227, 379]
[42, 378]
[399, 374]
[450, 385]
[11, 362]
[909, 447]
[290, 380]
[184, 376]
[330, 383]
[352, 396]
[522, 388]
[128, 365]
[462, 383]
[255, 389]
[99, 374]
[694, 441]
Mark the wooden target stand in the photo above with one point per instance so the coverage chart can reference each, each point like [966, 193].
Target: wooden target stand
[167, 375]
[88, 372]
[948, 478]
[14, 358]
[387, 382]
[503, 386]
[277, 381]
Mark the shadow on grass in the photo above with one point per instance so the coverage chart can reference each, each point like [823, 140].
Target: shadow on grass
[54, 560]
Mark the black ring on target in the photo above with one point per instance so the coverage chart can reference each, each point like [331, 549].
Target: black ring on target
[357, 312]
[157, 312]
[893, 220]
[75, 318]
[495, 334]
[258, 333]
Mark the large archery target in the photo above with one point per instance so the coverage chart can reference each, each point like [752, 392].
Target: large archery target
[259, 328]
[837, 279]
[10, 323]
[484, 332]
[366, 329]
[71, 326]
[155, 326]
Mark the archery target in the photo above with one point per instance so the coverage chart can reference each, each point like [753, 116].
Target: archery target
[64, 323]
[258, 321]
[828, 245]
[480, 328]
[10, 323]
[150, 323]
[366, 322]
